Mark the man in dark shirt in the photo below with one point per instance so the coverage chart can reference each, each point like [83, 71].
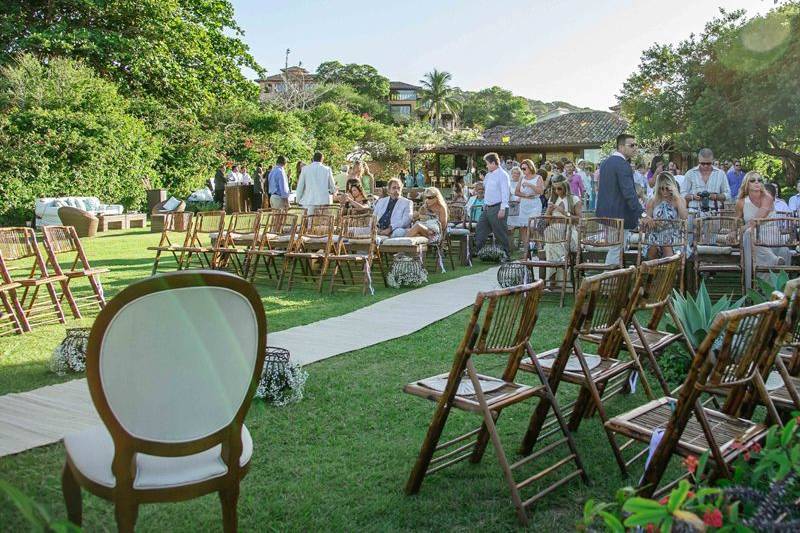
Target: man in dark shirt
[219, 185]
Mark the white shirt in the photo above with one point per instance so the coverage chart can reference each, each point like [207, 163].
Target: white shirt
[315, 185]
[233, 177]
[246, 179]
[497, 188]
[780, 205]
[794, 202]
[586, 179]
[717, 183]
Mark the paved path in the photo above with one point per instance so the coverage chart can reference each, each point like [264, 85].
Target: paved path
[43, 416]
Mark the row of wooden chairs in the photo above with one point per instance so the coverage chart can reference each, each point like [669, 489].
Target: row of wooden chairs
[257, 243]
[26, 275]
[605, 314]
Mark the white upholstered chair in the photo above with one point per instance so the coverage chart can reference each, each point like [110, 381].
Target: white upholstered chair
[172, 388]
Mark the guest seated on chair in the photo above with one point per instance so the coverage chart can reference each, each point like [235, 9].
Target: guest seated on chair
[394, 212]
[666, 204]
[354, 198]
[432, 217]
[474, 206]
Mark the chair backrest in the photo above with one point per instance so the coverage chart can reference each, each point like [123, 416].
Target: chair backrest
[777, 232]
[717, 231]
[600, 231]
[602, 306]
[60, 239]
[17, 243]
[361, 229]
[655, 280]
[502, 320]
[209, 222]
[791, 333]
[173, 361]
[549, 230]
[318, 227]
[178, 222]
[456, 213]
[275, 223]
[243, 223]
[664, 232]
[332, 210]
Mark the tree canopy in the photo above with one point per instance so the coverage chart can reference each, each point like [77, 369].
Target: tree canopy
[186, 53]
[364, 79]
[494, 107]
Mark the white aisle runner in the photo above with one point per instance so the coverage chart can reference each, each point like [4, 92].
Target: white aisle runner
[43, 416]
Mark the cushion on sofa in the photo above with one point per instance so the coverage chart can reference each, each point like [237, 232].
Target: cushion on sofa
[171, 204]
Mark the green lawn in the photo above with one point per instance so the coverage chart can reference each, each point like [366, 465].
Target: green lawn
[339, 459]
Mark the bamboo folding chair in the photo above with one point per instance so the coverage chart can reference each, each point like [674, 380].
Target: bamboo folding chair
[276, 236]
[174, 236]
[661, 234]
[550, 232]
[11, 311]
[232, 244]
[775, 233]
[601, 315]
[457, 232]
[683, 426]
[596, 237]
[357, 245]
[314, 245]
[716, 248]
[501, 323]
[65, 240]
[19, 244]
[786, 394]
[207, 224]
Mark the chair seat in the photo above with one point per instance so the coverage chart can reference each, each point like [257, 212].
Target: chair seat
[85, 272]
[91, 452]
[607, 369]
[728, 267]
[8, 286]
[656, 339]
[596, 266]
[781, 397]
[509, 393]
[35, 282]
[461, 232]
[404, 241]
[703, 249]
[348, 257]
[640, 423]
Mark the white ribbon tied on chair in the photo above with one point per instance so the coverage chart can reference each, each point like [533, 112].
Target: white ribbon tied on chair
[368, 273]
[655, 440]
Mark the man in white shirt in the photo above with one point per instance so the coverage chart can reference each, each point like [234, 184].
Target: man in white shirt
[706, 185]
[233, 175]
[245, 178]
[497, 187]
[585, 178]
[394, 212]
[794, 201]
[315, 186]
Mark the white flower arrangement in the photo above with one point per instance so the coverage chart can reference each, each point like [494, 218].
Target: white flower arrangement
[281, 382]
[70, 355]
[492, 253]
[406, 272]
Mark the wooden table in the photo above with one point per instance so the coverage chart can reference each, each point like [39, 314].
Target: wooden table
[123, 221]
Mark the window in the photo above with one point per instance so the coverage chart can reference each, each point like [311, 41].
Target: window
[403, 94]
[401, 111]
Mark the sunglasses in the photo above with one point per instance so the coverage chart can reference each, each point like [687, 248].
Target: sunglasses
[666, 188]
[754, 180]
[429, 197]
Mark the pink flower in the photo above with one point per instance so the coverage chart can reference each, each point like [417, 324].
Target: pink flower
[712, 518]
[691, 464]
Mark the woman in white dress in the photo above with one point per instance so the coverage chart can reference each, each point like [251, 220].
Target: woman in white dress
[755, 202]
[513, 219]
[562, 204]
[529, 189]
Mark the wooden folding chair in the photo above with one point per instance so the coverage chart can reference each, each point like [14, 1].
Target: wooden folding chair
[773, 234]
[601, 312]
[209, 225]
[175, 235]
[11, 311]
[785, 393]
[19, 244]
[684, 427]
[357, 245]
[65, 240]
[313, 246]
[276, 235]
[232, 245]
[655, 280]
[501, 323]
[457, 232]
[550, 233]
[661, 234]
[716, 248]
[596, 237]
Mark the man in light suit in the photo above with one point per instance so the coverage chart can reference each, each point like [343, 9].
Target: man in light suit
[394, 212]
[315, 185]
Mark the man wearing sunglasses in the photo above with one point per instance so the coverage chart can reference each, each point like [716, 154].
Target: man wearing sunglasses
[735, 177]
[616, 197]
[705, 181]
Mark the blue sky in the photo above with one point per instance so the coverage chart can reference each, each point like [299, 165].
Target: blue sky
[579, 51]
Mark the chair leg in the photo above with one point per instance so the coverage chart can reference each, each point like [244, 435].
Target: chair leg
[126, 513]
[428, 448]
[54, 298]
[66, 292]
[155, 263]
[229, 498]
[72, 496]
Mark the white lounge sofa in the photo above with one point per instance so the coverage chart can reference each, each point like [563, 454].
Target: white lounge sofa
[47, 208]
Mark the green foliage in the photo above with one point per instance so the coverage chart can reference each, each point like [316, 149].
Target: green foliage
[697, 313]
[495, 107]
[348, 98]
[761, 293]
[186, 53]
[64, 131]
[364, 79]
[200, 207]
[36, 516]
[438, 97]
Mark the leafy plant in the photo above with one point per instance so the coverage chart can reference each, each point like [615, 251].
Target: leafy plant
[199, 207]
[697, 313]
[764, 288]
[37, 516]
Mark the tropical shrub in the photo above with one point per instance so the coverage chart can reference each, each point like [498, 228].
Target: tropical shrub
[64, 131]
[764, 288]
[697, 313]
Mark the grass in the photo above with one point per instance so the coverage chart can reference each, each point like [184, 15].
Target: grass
[339, 459]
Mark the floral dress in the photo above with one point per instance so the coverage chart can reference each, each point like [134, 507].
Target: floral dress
[664, 211]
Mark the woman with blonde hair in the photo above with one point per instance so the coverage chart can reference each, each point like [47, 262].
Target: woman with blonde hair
[562, 204]
[360, 171]
[513, 219]
[431, 219]
[666, 204]
[753, 203]
[529, 190]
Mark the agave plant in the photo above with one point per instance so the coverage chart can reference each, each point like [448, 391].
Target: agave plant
[776, 282]
[696, 314]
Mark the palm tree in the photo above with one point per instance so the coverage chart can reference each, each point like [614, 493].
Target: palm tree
[438, 96]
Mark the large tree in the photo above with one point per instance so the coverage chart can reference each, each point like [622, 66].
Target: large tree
[735, 88]
[438, 97]
[187, 53]
[495, 107]
[364, 79]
